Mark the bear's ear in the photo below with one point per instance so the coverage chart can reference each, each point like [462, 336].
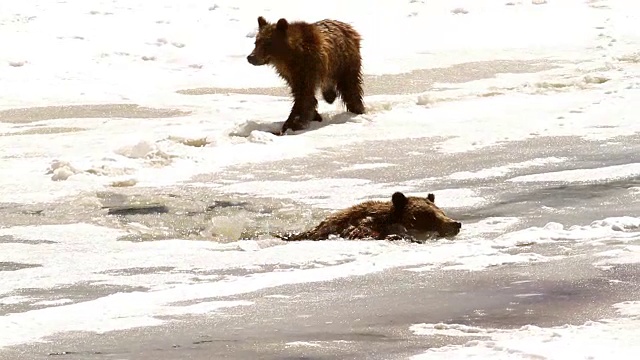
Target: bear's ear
[282, 25]
[398, 200]
[261, 22]
[431, 198]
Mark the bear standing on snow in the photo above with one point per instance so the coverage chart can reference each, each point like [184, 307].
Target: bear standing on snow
[324, 54]
[399, 218]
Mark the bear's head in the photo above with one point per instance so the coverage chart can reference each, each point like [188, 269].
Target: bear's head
[422, 215]
[271, 42]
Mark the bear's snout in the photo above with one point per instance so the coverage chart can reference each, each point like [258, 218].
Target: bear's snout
[255, 60]
[450, 228]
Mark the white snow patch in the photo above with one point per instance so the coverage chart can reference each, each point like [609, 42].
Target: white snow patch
[629, 254]
[447, 330]
[302, 343]
[261, 137]
[482, 261]
[585, 175]
[113, 312]
[499, 171]
[53, 302]
[14, 299]
[366, 166]
[604, 339]
[615, 230]
[137, 151]
[143, 150]
[255, 129]
[628, 308]
[61, 170]
[528, 295]
[278, 296]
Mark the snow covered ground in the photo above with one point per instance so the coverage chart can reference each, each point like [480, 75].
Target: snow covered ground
[609, 338]
[519, 115]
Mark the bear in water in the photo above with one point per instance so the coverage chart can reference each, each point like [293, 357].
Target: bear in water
[399, 218]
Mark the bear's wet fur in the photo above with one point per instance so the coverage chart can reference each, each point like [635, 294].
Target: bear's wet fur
[324, 54]
[399, 218]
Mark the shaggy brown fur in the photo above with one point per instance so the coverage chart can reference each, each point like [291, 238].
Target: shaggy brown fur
[308, 56]
[399, 218]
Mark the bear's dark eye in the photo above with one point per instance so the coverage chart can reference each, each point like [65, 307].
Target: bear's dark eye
[267, 42]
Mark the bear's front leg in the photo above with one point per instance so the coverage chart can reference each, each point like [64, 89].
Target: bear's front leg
[303, 110]
[396, 231]
[317, 117]
[359, 232]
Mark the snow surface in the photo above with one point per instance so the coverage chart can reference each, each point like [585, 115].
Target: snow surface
[605, 339]
[144, 52]
[106, 261]
[93, 70]
[585, 175]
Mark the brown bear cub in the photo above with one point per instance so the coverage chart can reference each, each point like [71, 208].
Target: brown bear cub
[400, 218]
[308, 56]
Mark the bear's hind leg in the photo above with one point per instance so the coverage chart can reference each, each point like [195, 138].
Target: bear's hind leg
[329, 93]
[349, 85]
